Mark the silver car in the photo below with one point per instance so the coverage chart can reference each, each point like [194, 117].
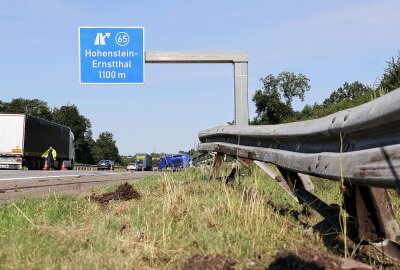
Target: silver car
[131, 167]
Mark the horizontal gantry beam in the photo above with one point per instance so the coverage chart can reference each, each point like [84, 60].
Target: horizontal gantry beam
[206, 57]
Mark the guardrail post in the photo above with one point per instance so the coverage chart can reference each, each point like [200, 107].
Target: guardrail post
[279, 180]
[295, 180]
[372, 219]
[215, 172]
[239, 162]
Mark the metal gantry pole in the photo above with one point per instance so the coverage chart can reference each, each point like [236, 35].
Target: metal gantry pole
[241, 94]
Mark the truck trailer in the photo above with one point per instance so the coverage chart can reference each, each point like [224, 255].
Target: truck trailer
[144, 162]
[24, 138]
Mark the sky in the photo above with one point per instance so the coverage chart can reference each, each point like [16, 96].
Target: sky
[331, 42]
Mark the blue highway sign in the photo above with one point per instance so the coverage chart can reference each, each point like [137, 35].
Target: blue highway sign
[111, 55]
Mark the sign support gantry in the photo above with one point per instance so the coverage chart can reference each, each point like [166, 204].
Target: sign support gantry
[240, 65]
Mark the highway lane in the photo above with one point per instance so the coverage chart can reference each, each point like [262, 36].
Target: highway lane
[41, 183]
[7, 175]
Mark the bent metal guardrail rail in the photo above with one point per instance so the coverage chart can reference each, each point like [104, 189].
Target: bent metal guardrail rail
[371, 144]
[361, 144]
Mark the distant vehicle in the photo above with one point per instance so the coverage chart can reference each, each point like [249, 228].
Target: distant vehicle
[176, 162]
[132, 167]
[24, 138]
[105, 165]
[144, 162]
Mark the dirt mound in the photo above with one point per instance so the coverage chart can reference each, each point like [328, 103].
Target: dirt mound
[287, 259]
[124, 192]
[218, 262]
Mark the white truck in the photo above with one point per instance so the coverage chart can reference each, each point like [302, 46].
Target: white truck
[24, 138]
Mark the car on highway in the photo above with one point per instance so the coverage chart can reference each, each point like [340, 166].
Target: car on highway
[131, 167]
[105, 165]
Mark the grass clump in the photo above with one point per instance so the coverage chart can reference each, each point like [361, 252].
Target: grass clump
[179, 215]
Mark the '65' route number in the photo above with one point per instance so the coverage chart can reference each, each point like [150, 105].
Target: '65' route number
[122, 39]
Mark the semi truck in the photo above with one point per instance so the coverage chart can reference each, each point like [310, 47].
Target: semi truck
[175, 162]
[144, 162]
[24, 139]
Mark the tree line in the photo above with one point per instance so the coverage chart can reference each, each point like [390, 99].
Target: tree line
[274, 101]
[88, 150]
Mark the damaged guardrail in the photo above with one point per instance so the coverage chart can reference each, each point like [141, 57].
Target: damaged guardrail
[370, 148]
[360, 145]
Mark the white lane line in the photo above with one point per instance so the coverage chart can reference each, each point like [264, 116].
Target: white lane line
[43, 177]
[55, 176]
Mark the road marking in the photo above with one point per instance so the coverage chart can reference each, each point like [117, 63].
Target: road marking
[43, 177]
[55, 176]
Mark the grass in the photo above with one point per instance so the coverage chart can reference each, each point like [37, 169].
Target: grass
[179, 215]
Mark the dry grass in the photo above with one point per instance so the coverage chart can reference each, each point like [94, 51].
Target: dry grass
[179, 215]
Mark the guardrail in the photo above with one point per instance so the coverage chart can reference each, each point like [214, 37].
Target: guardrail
[360, 145]
[90, 167]
[370, 147]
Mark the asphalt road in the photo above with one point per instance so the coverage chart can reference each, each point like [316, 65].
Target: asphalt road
[41, 183]
[7, 175]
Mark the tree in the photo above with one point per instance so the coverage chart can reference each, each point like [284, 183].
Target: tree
[125, 160]
[2, 104]
[105, 148]
[68, 115]
[391, 77]
[348, 92]
[274, 101]
[34, 107]
[189, 152]
[347, 96]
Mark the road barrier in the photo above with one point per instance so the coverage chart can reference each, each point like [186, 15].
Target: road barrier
[359, 145]
[90, 167]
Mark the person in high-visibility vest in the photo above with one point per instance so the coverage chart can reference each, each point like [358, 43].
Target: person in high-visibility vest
[51, 155]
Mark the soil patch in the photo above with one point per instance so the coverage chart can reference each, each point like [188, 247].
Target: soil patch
[124, 192]
[218, 262]
[287, 259]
